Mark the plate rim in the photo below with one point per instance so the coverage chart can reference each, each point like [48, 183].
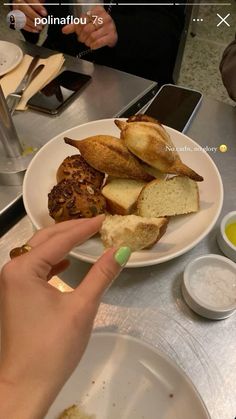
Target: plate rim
[3, 73]
[136, 264]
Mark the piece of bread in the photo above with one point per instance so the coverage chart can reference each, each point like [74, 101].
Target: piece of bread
[132, 231]
[164, 198]
[74, 412]
[157, 174]
[69, 200]
[109, 155]
[75, 167]
[121, 195]
[148, 140]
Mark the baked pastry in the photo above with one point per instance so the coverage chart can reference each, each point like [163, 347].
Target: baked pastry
[147, 139]
[70, 199]
[75, 167]
[175, 196]
[132, 231]
[122, 194]
[152, 171]
[109, 155]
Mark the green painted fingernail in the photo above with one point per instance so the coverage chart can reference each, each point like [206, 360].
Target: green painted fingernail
[122, 255]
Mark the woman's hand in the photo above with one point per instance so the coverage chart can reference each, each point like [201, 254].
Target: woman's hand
[94, 34]
[44, 332]
[31, 12]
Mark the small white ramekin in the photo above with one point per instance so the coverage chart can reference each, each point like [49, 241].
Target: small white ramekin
[200, 307]
[224, 243]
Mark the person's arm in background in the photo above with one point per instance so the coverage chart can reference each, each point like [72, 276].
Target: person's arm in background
[44, 332]
[31, 12]
[73, 38]
[30, 31]
[95, 35]
[228, 69]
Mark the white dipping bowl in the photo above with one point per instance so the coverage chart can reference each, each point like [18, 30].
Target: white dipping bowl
[198, 301]
[224, 243]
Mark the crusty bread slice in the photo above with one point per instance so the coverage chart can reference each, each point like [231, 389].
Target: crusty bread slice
[164, 198]
[121, 195]
[132, 230]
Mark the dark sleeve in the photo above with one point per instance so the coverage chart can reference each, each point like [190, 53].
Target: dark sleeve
[228, 69]
[148, 40]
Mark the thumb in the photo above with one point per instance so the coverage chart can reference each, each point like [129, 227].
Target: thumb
[67, 29]
[102, 273]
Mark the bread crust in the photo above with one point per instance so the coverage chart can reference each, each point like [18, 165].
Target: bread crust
[162, 230]
[75, 167]
[114, 208]
[143, 118]
[109, 155]
[71, 200]
[157, 174]
[122, 202]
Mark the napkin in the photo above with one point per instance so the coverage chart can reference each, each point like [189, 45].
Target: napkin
[10, 81]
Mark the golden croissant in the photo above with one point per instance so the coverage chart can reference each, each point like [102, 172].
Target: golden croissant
[147, 139]
[109, 155]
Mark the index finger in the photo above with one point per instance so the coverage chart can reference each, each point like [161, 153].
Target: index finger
[54, 250]
[68, 29]
[73, 28]
[45, 234]
[97, 9]
[38, 8]
[30, 9]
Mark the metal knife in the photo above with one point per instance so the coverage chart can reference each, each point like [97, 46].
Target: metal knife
[18, 97]
[22, 86]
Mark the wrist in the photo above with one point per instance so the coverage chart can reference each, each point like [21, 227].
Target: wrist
[22, 399]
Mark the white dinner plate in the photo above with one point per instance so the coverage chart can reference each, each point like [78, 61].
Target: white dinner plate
[183, 232]
[10, 56]
[121, 377]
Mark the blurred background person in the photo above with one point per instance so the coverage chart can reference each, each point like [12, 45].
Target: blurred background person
[228, 69]
[141, 40]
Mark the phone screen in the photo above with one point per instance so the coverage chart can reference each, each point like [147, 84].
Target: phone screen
[53, 96]
[173, 106]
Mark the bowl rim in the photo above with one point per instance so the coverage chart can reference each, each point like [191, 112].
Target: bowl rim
[186, 280]
[222, 229]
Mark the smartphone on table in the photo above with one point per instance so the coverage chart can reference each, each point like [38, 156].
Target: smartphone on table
[174, 106]
[59, 92]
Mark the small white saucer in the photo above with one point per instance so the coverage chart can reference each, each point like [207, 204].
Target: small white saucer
[209, 286]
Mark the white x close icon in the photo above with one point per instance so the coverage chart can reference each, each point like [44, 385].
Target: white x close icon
[223, 19]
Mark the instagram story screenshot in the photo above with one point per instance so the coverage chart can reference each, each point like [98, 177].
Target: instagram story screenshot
[117, 209]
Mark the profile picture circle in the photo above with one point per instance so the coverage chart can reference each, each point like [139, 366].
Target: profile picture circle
[16, 20]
